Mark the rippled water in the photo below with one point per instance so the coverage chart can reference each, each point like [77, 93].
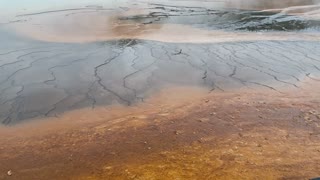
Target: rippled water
[82, 54]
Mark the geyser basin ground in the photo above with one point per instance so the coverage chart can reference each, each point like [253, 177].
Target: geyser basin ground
[170, 89]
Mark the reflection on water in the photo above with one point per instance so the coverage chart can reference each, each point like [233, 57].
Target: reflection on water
[121, 65]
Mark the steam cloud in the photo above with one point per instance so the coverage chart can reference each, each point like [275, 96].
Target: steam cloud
[268, 4]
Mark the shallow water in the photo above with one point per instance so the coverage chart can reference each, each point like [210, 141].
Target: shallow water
[57, 60]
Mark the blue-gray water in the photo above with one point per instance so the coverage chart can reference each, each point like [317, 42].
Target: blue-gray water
[58, 56]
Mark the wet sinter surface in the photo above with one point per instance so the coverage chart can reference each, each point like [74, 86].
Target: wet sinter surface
[45, 81]
[159, 90]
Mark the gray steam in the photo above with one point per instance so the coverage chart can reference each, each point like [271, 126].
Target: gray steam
[268, 4]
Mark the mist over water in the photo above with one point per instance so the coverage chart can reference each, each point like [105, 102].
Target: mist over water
[18, 6]
[83, 21]
[268, 4]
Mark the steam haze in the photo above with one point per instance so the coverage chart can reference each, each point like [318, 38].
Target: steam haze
[268, 4]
